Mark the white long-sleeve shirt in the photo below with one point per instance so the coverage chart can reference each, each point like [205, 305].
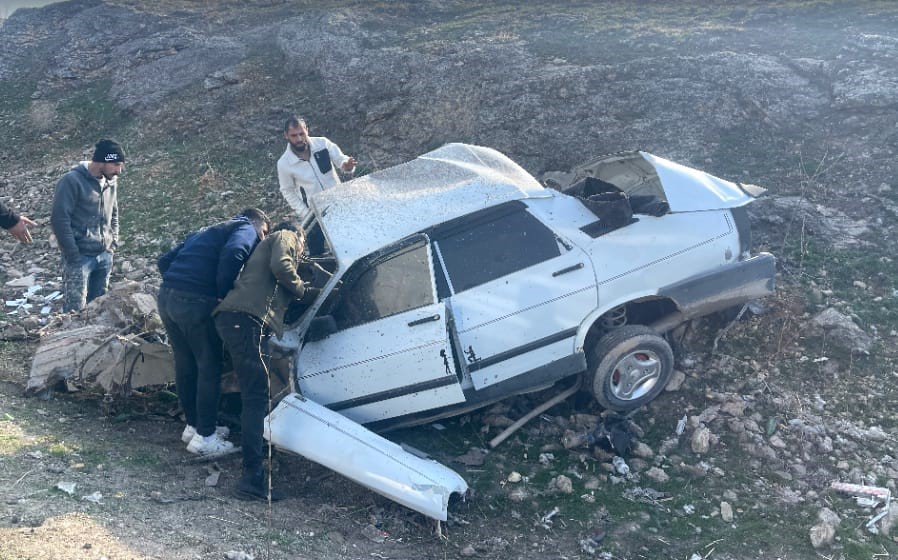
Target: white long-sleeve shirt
[299, 179]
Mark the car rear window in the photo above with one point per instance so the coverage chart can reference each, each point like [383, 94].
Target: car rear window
[493, 249]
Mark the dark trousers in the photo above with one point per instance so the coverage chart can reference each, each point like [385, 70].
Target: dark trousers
[198, 355]
[246, 340]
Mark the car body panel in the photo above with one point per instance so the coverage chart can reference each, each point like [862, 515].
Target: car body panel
[529, 316]
[326, 437]
[685, 189]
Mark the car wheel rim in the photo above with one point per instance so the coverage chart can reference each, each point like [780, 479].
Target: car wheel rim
[635, 375]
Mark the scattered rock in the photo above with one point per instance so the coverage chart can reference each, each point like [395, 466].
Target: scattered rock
[374, 534]
[562, 484]
[657, 474]
[822, 534]
[843, 331]
[676, 381]
[701, 440]
[726, 512]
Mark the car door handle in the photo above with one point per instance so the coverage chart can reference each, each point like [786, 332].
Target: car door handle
[577, 266]
[424, 320]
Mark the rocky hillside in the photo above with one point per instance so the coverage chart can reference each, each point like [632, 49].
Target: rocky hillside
[799, 97]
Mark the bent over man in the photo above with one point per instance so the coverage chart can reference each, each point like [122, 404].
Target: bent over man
[85, 222]
[245, 320]
[307, 165]
[196, 276]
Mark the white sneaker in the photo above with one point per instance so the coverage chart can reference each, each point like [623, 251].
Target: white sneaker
[221, 431]
[212, 445]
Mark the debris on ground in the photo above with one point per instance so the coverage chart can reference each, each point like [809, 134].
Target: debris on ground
[113, 345]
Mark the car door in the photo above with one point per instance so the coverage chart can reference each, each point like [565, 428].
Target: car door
[517, 294]
[389, 354]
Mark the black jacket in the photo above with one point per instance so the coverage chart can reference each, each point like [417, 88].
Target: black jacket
[8, 216]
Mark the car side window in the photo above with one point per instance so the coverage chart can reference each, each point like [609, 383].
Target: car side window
[492, 249]
[400, 283]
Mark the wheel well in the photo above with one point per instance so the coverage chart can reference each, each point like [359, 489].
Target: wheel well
[638, 312]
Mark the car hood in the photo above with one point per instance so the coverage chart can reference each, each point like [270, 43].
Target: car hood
[685, 189]
[689, 189]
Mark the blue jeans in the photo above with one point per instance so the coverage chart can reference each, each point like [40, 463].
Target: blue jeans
[198, 355]
[85, 279]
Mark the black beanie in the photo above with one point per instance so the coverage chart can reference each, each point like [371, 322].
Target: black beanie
[108, 151]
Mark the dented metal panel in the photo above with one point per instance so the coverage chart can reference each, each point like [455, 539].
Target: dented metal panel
[330, 439]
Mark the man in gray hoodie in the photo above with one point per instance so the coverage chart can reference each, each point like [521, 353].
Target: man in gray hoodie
[85, 222]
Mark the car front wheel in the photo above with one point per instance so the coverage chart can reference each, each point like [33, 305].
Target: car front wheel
[629, 367]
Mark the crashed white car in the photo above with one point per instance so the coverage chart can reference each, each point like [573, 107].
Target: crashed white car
[457, 279]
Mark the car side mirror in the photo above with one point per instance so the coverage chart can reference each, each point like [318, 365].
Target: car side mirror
[321, 328]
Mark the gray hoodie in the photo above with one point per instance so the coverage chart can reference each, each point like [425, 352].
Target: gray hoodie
[85, 214]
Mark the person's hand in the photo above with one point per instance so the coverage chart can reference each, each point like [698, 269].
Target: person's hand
[20, 230]
[349, 166]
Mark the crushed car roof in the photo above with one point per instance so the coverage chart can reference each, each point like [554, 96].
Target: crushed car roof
[369, 212]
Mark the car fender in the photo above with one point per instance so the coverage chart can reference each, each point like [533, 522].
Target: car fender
[594, 315]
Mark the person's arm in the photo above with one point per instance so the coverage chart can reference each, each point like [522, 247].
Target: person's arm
[61, 219]
[234, 254]
[285, 250]
[15, 223]
[341, 160]
[290, 190]
[20, 230]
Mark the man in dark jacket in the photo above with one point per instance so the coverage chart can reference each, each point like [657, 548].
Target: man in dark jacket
[85, 222]
[196, 276]
[15, 223]
[245, 320]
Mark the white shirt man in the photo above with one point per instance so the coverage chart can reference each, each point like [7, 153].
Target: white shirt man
[308, 166]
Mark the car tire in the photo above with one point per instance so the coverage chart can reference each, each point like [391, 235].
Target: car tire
[629, 367]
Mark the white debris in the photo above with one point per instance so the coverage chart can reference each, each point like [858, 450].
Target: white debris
[681, 425]
[67, 487]
[95, 498]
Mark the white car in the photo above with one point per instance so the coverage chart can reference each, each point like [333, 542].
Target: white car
[457, 280]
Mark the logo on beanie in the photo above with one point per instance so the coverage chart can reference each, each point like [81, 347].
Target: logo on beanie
[108, 151]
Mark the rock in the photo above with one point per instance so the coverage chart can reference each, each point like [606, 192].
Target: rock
[887, 523]
[829, 517]
[642, 450]
[701, 440]
[726, 512]
[23, 282]
[822, 535]
[374, 534]
[562, 484]
[733, 408]
[518, 494]
[676, 381]
[657, 474]
[468, 551]
[842, 331]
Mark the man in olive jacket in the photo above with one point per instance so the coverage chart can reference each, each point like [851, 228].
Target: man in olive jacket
[247, 317]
